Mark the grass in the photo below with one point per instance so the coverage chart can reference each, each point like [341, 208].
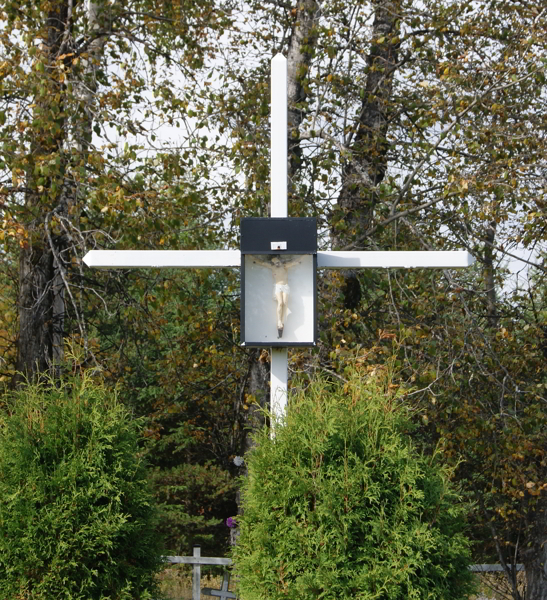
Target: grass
[176, 581]
[495, 586]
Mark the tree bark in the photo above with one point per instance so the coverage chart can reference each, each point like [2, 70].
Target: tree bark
[367, 164]
[35, 302]
[41, 299]
[43, 264]
[259, 389]
[536, 575]
[301, 50]
[534, 556]
[489, 276]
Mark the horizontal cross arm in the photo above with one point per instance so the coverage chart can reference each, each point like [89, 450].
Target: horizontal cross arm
[394, 259]
[493, 568]
[162, 259]
[156, 259]
[219, 593]
[197, 560]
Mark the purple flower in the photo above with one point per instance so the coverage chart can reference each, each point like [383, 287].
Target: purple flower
[231, 522]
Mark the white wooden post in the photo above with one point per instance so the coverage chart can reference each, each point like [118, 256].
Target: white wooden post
[279, 374]
[278, 138]
[196, 576]
[279, 365]
[162, 259]
[223, 593]
[395, 259]
[196, 561]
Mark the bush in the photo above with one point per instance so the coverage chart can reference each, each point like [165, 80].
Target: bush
[341, 505]
[76, 517]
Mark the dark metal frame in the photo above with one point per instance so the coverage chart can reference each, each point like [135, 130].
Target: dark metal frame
[301, 237]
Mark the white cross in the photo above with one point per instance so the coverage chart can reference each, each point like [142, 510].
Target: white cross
[223, 592]
[129, 259]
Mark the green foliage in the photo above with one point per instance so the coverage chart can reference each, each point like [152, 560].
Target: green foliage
[194, 502]
[77, 519]
[341, 505]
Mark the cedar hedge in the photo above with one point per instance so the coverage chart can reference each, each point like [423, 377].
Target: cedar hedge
[341, 505]
[77, 519]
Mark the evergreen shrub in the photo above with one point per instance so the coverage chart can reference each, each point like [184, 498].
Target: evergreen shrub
[77, 519]
[341, 505]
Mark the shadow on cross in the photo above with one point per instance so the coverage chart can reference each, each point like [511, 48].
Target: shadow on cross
[196, 561]
[223, 592]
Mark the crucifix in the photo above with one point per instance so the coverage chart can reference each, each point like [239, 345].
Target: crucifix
[278, 261]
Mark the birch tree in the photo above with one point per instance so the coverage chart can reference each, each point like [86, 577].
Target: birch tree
[60, 123]
[70, 85]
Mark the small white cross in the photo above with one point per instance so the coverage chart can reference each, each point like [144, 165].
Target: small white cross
[129, 259]
[223, 592]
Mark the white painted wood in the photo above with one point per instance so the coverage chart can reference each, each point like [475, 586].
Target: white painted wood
[201, 560]
[278, 208]
[394, 259]
[206, 560]
[493, 568]
[278, 140]
[196, 576]
[223, 592]
[134, 259]
[279, 371]
[217, 593]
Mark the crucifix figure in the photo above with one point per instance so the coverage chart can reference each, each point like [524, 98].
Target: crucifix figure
[279, 267]
[307, 265]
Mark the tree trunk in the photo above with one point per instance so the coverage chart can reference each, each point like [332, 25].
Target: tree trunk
[536, 575]
[301, 49]
[35, 314]
[43, 264]
[41, 299]
[367, 164]
[259, 389]
[489, 276]
[534, 556]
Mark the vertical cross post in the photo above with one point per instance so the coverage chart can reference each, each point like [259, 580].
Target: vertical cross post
[278, 138]
[196, 576]
[278, 208]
